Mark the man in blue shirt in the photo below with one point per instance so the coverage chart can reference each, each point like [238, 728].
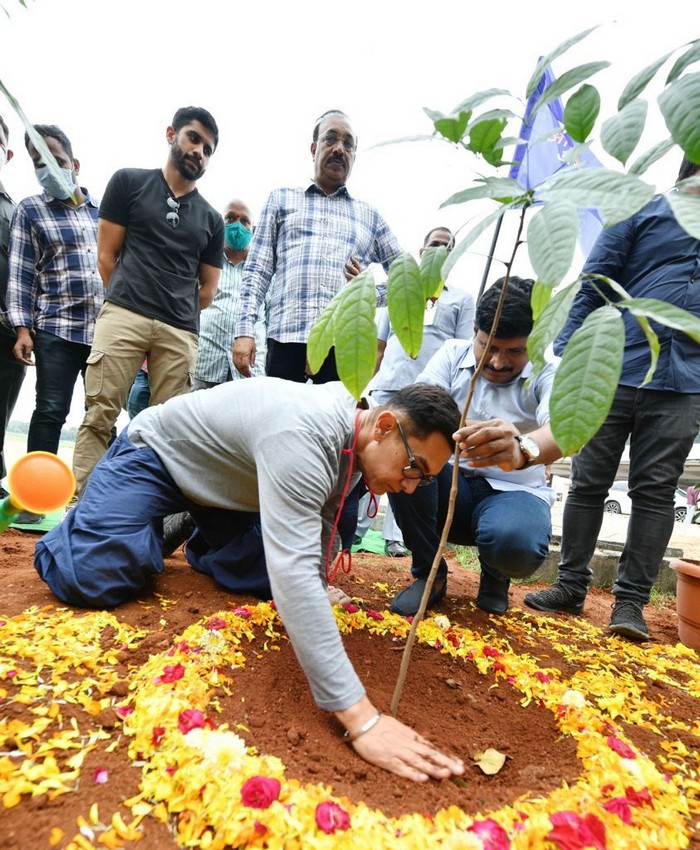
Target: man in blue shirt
[651, 256]
[503, 501]
[311, 241]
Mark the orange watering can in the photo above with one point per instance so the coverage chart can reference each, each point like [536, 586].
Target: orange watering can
[39, 482]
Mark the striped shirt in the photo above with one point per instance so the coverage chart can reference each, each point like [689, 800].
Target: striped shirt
[303, 239]
[53, 282]
[214, 357]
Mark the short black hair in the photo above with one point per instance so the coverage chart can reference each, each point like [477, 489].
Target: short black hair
[187, 114]
[444, 230]
[688, 169]
[4, 128]
[322, 118]
[428, 409]
[54, 132]
[516, 315]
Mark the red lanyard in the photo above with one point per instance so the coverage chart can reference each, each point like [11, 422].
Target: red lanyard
[341, 561]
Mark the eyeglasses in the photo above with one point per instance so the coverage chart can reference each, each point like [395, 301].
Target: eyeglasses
[172, 217]
[331, 139]
[413, 471]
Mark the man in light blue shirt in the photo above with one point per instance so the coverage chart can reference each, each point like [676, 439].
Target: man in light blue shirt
[215, 355]
[503, 502]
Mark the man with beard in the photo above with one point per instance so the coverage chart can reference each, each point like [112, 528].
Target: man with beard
[311, 241]
[503, 501]
[160, 247]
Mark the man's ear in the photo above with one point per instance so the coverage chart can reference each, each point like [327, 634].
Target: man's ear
[10, 154]
[76, 166]
[384, 424]
[313, 150]
[170, 134]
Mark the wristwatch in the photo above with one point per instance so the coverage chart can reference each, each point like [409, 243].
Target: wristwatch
[529, 448]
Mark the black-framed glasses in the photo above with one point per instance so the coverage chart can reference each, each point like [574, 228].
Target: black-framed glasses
[331, 139]
[413, 471]
[172, 217]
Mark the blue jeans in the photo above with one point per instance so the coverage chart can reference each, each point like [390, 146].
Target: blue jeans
[139, 395]
[58, 364]
[510, 528]
[662, 427]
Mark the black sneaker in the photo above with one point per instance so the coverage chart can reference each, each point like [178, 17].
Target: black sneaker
[493, 593]
[627, 620]
[555, 599]
[407, 602]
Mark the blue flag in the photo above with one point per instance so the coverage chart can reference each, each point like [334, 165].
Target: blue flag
[540, 154]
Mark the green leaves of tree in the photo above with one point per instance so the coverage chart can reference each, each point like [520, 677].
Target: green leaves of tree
[680, 106]
[617, 196]
[620, 134]
[552, 236]
[581, 112]
[586, 379]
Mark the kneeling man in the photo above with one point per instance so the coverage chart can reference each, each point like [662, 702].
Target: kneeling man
[267, 454]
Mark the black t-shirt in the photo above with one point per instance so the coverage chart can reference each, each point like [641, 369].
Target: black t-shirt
[157, 273]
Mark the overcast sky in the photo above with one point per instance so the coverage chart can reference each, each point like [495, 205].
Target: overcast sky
[111, 74]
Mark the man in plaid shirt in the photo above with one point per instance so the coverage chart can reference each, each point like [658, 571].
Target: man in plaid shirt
[54, 290]
[311, 241]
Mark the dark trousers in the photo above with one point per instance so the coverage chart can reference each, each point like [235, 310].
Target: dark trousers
[58, 365]
[510, 528]
[288, 360]
[662, 427]
[11, 377]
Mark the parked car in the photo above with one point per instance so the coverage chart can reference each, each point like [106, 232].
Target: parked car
[618, 502]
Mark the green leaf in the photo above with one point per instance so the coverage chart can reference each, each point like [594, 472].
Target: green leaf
[665, 314]
[551, 240]
[616, 196]
[401, 139]
[498, 188]
[549, 323]
[541, 293]
[586, 379]
[654, 347]
[355, 333]
[680, 106]
[640, 165]
[690, 56]
[620, 134]
[639, 82]
[431, 269]
[581, 112]
[476, 99]
[320, 339]
[550, 57]
[469, 240]
[405, 298]
[433, 114]
[567, 81]
[484, 135]
[686, 208]
[453, 128]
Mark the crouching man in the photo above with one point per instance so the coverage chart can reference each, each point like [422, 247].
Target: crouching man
[503, 502]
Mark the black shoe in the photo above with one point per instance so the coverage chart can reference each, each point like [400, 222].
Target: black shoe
[555, 599]
[493, 593]
[407, 601]
[627, 620]
[395, 549]
[177, 528]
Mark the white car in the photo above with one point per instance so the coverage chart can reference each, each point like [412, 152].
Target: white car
[618, 502]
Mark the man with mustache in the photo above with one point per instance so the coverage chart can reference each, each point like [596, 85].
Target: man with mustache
[160, 247]
[312, 241]
[503, 501]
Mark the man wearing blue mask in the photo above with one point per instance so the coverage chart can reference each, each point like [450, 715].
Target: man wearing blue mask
[215, 357]
[54, 289]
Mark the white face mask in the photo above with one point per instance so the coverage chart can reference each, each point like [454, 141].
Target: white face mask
[51, 184]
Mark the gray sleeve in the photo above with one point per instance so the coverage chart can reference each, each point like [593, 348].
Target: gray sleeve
[295, 480]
